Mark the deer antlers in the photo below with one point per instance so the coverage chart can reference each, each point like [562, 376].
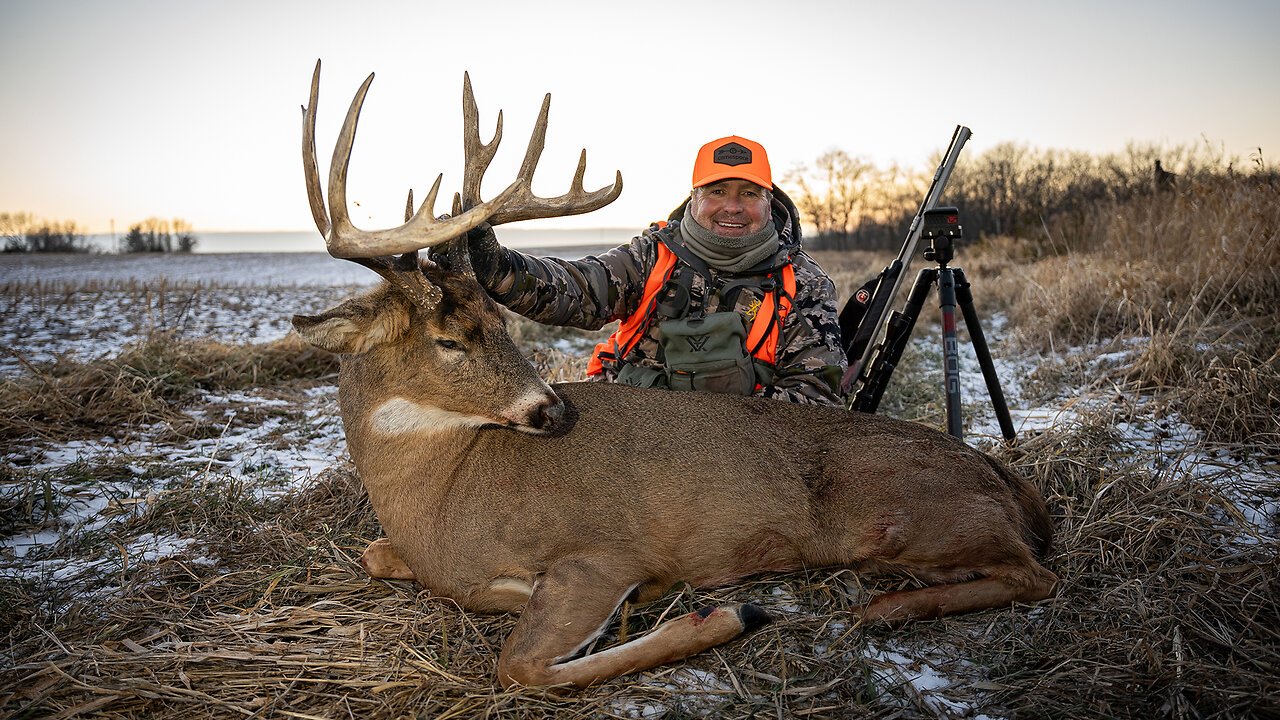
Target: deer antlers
[423, 230]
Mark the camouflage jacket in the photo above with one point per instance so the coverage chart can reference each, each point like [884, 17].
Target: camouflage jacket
[594, 291]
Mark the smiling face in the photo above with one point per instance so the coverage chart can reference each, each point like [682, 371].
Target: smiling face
[730, 208]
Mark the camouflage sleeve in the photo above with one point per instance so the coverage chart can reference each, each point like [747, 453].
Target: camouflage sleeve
[810, 360]
[587, 293]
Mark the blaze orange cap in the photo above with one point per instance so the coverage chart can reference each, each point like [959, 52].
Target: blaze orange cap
[732, 157]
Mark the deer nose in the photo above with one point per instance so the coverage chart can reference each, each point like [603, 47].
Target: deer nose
[550, 411]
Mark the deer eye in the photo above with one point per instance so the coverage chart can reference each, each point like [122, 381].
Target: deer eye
[448, 344]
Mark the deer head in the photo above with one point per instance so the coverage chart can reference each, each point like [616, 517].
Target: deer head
[431, 345]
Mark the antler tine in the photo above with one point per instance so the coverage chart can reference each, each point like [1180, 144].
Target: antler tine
[524, 205]
[342, 238]
[537, 141]
[310, 168]
[477, 154]
[423, 229]
[400, 271]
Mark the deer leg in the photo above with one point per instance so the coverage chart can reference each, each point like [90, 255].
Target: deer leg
[572, 604]
[1020, 585]
[381, 561]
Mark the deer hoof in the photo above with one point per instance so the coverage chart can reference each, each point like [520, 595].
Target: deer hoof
[753, 617]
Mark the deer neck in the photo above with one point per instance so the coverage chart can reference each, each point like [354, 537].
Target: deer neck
[396, 442]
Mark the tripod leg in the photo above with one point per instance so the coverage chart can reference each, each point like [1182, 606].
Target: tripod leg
[950, 350]
[965, 298]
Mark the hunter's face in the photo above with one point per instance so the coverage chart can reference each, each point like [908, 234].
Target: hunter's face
[730, 208]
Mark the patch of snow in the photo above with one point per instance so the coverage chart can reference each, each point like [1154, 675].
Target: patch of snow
[270, 459]
[896, 667]
[42, 327]
[787, 601]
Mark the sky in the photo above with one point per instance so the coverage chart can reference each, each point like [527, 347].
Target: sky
[112, 112]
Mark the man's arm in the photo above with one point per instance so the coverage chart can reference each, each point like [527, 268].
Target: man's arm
[810, 359]
[586, 293]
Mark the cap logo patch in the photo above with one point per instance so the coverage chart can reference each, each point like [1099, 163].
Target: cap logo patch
[731, 154]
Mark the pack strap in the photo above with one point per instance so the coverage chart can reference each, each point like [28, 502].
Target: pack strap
[762, 340]
[630, 330]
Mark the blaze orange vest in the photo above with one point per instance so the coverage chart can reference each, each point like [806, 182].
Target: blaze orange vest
[762, 339]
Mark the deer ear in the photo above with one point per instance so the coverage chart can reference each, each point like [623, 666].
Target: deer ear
[355, 326]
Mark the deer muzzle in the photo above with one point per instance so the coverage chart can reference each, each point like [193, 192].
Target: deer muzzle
[538, 412]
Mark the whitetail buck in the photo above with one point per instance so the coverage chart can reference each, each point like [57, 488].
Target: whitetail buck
[562, 502]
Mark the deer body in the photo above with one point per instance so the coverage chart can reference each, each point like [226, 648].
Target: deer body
[507, 494]
[738, 487]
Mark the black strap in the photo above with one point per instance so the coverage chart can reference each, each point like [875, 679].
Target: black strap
[689, 258]
[673, 300]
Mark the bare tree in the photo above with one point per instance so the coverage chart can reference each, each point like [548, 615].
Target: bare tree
[13, 228]
[23, 232]
[157, 235]
[830, 194]
[184, 235]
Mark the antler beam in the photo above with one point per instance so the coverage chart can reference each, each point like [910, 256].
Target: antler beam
[516, 202]
[522, 204]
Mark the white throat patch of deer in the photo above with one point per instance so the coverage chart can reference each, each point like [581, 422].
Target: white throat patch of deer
[508, 495]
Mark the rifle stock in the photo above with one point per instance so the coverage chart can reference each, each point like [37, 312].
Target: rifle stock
[870, 326]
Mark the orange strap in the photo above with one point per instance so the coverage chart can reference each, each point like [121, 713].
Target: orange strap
[764, 331]
[629, 332]
[763, 335]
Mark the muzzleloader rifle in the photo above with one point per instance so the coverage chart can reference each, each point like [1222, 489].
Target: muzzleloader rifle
[874, 339]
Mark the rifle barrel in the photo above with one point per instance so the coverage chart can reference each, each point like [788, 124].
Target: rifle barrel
[939, 184]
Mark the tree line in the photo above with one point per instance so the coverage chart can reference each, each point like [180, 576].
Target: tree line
[24, 232]
[848, 203]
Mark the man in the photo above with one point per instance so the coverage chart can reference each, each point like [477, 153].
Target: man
[719, 298]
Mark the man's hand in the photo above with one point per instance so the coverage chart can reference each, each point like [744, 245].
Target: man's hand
[488, 258]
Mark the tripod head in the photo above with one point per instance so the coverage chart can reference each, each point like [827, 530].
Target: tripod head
[941, 227]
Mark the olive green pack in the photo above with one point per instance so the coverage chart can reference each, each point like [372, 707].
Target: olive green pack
[708, 353]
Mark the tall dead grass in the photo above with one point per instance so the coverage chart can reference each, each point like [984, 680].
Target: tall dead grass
[148, 383]
[1194, 273]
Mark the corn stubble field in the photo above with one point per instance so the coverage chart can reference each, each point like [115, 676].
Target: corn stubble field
[182, 528]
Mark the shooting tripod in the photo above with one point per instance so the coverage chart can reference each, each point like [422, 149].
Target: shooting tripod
[864, 315]
[942, 229]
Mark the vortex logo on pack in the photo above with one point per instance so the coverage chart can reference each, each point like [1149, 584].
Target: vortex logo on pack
[697, 343]
[731, 154]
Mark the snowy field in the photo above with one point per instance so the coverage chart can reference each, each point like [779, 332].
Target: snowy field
[239, 269]
[248, 298]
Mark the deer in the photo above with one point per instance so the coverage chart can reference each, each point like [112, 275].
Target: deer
[562, 502]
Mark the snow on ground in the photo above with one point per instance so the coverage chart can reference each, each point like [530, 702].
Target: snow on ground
[266, 459]
[87, 325]
[294, 443]
[1153, 436]
[287, 449]
[261, 270]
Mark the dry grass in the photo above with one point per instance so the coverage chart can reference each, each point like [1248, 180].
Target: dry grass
[1168, 608]
[148, 383]
[1194, 274]
[1170, 605]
